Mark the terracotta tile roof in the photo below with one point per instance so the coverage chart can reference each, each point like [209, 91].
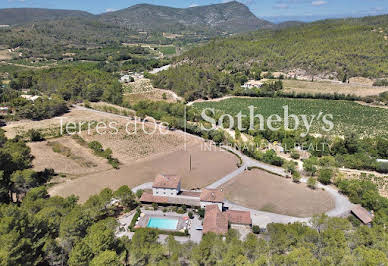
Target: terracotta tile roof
[362, 214]
[166, 181]
[239, 217]
[215, 221]
[212, 195]
[148, 197]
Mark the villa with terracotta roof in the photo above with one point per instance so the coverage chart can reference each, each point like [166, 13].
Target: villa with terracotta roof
[166, 190]
[218, 222]
[212, 197]
[215, 221]
[166, 185]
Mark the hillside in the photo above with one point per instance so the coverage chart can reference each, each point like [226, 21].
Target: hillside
[339, 49]
[12, 16]
[229, 17]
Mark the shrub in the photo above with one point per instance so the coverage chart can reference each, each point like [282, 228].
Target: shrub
[296, 177]
[382, 167]
[312, 182]
[256, 229]
[139, 193]
[34, 135]
[325, 175]
[381, 82]
[295, 155]
[191, 215]
[96, 147]
[201, 212]
[155, 206]
[134, 219]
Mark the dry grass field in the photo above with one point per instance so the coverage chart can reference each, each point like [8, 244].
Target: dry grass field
[74, 160]
[49, 126]
[260, 190]
[299, 86]
[207, 167]
[5, 55]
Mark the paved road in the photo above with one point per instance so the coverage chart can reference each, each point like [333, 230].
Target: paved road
[247, 163]
[228, 177]
[142, 187]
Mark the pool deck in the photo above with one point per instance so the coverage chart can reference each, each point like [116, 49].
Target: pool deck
[195, 235]
[143, 222]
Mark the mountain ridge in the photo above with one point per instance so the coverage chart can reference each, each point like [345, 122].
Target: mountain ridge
[15, 16]
[230, 17]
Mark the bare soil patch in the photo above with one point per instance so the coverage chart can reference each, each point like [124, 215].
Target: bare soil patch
[207, 167]
[358, 89]
[260, 190]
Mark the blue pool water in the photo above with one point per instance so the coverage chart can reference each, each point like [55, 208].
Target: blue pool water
[162, 223]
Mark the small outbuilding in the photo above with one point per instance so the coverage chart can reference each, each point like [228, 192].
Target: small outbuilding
[362, 214]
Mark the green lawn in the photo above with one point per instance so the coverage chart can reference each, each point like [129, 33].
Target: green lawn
[347, 116]
[167, 50]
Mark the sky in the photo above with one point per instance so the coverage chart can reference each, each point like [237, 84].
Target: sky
[272, 10]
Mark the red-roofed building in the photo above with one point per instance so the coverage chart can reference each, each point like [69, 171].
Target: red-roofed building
[166, 185]
[212, 197]
[147, 197]
[215, 221]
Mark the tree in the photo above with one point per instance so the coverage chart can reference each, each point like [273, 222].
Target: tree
[23, 180]
[108, 257]
[300, 256]
[144, 247]
[126, 197]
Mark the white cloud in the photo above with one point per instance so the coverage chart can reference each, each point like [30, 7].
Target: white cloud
[281, 6]
[193, 5]
[110, 10]
[319, 3]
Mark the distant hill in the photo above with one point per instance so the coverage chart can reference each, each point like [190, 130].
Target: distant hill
[288, 24]
[229, 17]
[12, 16]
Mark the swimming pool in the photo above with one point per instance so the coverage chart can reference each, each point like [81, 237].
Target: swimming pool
[163, 223]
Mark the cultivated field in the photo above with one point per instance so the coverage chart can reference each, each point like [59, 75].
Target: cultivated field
[299, 86]
[260, 190]
[207, 167]
[347, 116]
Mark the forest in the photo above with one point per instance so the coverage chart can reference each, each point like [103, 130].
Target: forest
[346, 47]
[45, 230]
